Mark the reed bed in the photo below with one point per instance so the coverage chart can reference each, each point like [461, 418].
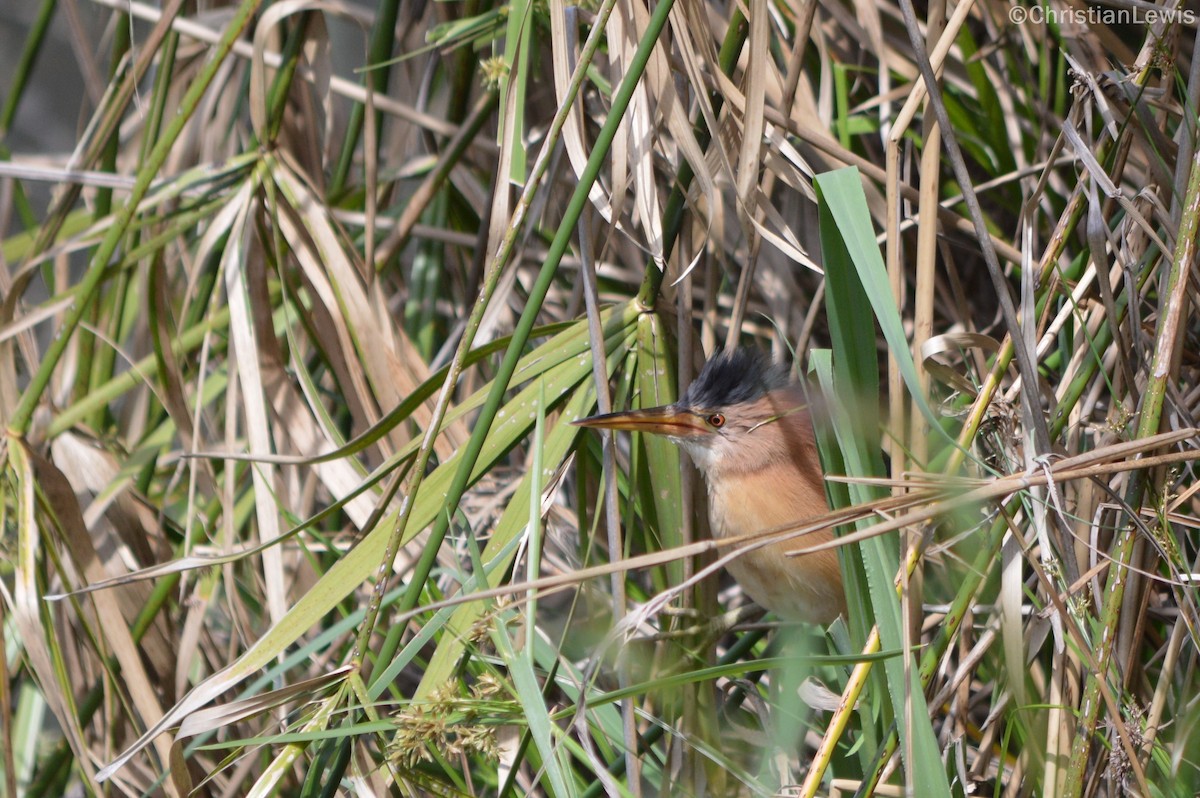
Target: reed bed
[291, 504]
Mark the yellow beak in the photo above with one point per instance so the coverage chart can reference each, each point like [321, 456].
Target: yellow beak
[666, 420]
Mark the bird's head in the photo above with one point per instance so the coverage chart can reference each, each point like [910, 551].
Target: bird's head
[727, 417]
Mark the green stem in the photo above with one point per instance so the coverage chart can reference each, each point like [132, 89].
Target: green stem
[383, 37]
[154, 121]
[21, 72]
[91, 360]
[281, 86]
[16, 90]
[108, 155]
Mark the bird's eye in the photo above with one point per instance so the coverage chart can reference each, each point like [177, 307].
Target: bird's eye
[716, 420]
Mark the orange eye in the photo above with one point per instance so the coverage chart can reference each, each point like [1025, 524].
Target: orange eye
[716, 420]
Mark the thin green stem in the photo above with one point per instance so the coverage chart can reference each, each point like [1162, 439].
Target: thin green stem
[91, 354]
[16, 90]
[281, 86]
[21, 72]
[383, 37]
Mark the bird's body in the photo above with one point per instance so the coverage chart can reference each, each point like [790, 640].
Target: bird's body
[749, 432]
[773, 492]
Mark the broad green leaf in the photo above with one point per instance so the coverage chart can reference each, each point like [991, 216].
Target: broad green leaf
[658, 474]
[855, 279]
[846, 225]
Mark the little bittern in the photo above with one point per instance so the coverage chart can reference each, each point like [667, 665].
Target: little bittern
[747, 428]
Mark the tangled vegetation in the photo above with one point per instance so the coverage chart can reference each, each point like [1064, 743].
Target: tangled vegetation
[291, 503]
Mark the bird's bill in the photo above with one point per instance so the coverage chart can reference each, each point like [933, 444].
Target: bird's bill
[668, 420]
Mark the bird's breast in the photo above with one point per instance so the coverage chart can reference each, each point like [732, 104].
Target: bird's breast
[746, 502]
[806, 588]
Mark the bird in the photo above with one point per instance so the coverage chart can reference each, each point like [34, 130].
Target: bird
[748, 428]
